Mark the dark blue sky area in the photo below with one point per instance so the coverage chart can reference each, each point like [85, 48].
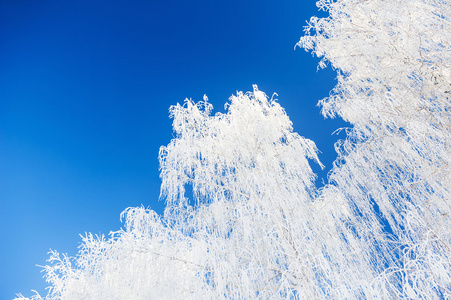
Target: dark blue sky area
[85, 88]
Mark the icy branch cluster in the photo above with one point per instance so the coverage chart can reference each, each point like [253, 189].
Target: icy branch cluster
[255, 226]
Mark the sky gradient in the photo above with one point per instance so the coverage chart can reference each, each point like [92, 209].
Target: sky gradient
[85, 88]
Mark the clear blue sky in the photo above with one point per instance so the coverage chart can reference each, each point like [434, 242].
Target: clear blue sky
[85, 88]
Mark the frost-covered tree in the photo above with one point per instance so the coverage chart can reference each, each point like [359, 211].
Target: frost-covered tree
[255, 226]
[394, 82]
[251, 230]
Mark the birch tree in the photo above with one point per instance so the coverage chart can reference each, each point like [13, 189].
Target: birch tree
[393, 60]
[249, 231]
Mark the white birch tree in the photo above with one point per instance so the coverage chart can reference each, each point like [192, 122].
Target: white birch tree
[251, 231]
[256, 226]
[394, 64]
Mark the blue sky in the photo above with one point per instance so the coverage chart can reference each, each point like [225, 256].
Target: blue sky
[85, 88]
